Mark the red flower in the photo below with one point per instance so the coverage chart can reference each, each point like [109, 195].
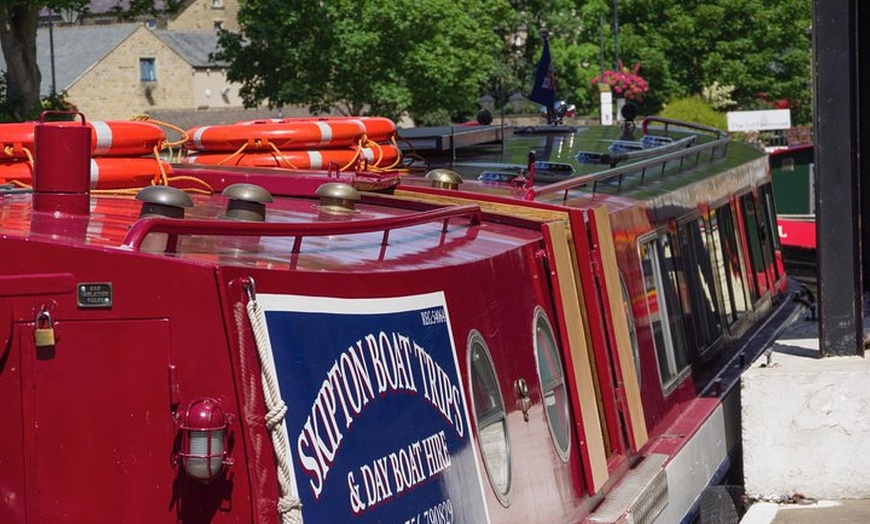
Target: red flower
[625, 82]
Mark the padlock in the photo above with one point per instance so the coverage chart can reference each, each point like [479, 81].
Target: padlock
[43, 335]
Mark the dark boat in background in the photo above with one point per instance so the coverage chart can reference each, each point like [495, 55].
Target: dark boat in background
[792, 175]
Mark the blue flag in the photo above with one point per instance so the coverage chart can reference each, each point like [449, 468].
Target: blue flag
[544, 91]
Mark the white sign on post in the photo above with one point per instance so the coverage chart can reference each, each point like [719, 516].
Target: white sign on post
[766, 120]
[606, 108]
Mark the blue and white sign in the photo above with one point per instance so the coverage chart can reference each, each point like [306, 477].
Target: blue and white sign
[378, 426]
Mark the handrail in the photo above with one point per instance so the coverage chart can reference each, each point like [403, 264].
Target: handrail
[173, 226]
[615, 158]
[688, 125]
[601, 176]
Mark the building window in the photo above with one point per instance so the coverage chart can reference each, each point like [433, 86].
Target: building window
[218, 25]
[217, 4]
[147, 70]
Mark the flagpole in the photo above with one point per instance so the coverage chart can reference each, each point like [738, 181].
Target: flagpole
[615, 37]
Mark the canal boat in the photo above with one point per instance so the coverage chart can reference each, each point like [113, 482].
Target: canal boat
[294, 347]
[792, 175]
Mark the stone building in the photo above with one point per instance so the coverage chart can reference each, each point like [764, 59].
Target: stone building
[113, 70]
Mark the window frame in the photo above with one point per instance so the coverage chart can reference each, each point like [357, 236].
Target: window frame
[540, 318]
[475, 341]
[669, 351]
[147, 64]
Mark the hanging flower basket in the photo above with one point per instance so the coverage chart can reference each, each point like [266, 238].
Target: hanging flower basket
[625, 83]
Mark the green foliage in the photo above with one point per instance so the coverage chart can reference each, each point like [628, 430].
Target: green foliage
[694, 109]
[56, 102]
[63, 109]
[383, 57]
[754, 45]
[718, 96]
[433, 59]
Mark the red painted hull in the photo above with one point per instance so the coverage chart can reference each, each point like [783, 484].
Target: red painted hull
[489, 354]
[799, 232]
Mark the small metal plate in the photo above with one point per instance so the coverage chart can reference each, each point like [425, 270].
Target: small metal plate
[94, 294]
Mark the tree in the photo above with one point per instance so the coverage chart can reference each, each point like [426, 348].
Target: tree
[19, 20]
[427, 58]
[754, 45]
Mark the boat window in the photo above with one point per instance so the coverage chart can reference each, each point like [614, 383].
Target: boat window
[768, 211]
[702, 304]
[490, 416]
[729, 268]
[665, 311]
[147, 70]
[752, 226]
[632, 328]
[552, 383]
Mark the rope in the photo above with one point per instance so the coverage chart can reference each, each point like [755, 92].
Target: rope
[235, 154]
[184, 136]
[281, 156]
[289, 507]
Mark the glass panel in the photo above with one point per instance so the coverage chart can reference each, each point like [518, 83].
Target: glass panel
[147, 71]
[732, 260]
[552, 384]
[716, 250]
[649, 262]
[703, 304]
[677, 322]
[771, 244]
[754, 241]
[632, 328]
[490, 416]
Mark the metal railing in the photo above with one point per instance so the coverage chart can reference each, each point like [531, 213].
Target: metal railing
[630, 169]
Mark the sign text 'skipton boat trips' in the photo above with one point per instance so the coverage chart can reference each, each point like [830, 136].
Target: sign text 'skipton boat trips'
[231, 344]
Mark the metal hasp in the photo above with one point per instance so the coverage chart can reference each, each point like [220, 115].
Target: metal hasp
[247, 202]
[841, 119]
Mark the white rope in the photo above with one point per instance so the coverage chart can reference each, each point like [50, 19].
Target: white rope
[289, 507]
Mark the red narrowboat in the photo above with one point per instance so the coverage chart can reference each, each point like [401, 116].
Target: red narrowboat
[327, 347]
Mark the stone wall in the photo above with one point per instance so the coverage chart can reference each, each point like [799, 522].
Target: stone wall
[112, 88]
[202, 15]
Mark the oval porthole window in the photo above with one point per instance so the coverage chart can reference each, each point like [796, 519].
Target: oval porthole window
[489, 414]
[552, 384]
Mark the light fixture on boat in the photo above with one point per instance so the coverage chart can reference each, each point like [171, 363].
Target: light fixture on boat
[444, 178]
[203, 451]
[337, 198]
[163, 201]
[246, 202]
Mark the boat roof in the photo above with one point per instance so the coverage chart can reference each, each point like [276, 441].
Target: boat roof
[299, 232]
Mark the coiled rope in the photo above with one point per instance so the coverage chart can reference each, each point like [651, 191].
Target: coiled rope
[289, 506]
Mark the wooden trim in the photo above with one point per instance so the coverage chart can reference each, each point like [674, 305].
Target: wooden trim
[566, 286]
[630, 384]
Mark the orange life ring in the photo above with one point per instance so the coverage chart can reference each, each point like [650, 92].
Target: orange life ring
[377, 128]
[108, 138]
[382, 156]
[106, 172]
[268, 136]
